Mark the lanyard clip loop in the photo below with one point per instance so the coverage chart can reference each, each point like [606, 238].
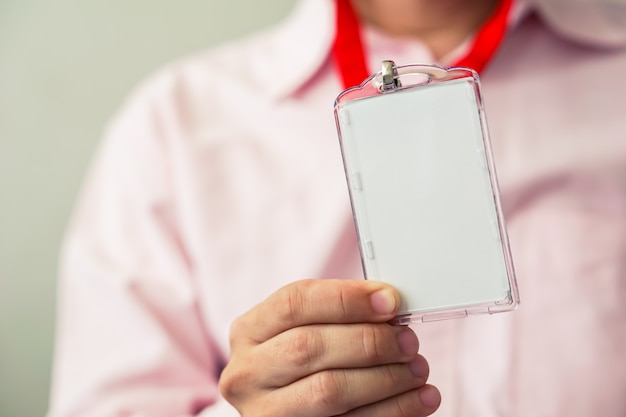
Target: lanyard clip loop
[391, 80]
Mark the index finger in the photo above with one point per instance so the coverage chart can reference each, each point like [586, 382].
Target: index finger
[318, 302]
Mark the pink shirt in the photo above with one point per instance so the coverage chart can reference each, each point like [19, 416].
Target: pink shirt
[221, 180]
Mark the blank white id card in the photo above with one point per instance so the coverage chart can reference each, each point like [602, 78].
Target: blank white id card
[424, 192]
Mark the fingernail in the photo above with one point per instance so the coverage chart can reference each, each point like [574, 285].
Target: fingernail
[383, 302]
[408, 342]
[430, 397]
[419, 367]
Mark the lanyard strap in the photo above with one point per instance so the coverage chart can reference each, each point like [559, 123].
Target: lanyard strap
[349, 53]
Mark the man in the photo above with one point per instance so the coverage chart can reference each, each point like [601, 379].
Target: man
[219, 189]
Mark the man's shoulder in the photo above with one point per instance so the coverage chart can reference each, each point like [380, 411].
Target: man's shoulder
[272, 62]
[210, 68]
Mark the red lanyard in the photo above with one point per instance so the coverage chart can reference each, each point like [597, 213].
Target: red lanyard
[349, 53]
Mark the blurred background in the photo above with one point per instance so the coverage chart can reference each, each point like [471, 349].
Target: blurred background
[65, 67]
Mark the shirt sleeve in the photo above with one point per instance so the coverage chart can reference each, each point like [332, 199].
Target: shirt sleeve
[130, 334]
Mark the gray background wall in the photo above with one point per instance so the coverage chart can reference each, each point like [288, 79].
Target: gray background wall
[65, 66]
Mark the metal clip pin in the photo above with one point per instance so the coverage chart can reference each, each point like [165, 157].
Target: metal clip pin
[391, 80]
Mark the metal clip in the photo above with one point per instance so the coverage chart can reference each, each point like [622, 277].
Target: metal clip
[391, 80]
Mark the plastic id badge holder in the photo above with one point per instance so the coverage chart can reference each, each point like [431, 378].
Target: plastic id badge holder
[424, 193]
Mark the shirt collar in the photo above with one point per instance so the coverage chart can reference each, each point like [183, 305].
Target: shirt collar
[303, 41]
[595, 23]
[302, 44]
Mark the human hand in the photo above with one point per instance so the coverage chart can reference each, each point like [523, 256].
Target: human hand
[324, 348]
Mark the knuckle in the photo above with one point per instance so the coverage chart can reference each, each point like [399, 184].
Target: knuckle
[401, 407]
[237, 386]
[373, 343]
[291, 302]
[232, 381]
[304, 347]
[236, 329]
[408, 404]
[392, 375]
[326, 391]
[343, 302]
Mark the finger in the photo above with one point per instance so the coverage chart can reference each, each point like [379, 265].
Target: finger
[338, 391]
[306, 350]
[316, 302]
[416, 403]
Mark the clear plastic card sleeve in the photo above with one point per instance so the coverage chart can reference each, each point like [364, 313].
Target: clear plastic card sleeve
[424, 193]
